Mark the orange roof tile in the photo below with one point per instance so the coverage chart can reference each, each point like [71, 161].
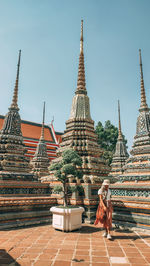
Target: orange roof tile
[31, 133]
[34, 131]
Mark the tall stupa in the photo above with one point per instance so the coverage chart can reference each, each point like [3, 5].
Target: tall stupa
[40, 161]
[121, 155]
[137, 167]
[80, 133]
[14, 165]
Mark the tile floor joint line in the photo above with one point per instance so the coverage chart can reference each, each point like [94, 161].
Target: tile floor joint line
[24, 252]
[39, 253]
[142, 239]
[144, 242]
[73, 255]
[57, 254]
[90, 251]
[107, 250]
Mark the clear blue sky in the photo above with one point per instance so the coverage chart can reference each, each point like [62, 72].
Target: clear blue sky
[48, 33]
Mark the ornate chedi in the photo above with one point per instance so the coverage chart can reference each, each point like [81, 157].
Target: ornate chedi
[13, 162]
[138, 164]
[131, 196]
[23, 199]
[121, 155]
[40, 161]
[80, 134]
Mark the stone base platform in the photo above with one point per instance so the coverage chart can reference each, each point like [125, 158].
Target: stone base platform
[24, 203]
[14, 188]
[131, 202]
[24, 211]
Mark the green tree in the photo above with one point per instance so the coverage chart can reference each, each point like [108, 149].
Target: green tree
[68, 166]
[107, 139]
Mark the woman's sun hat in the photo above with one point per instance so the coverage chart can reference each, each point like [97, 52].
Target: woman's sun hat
[106, 182]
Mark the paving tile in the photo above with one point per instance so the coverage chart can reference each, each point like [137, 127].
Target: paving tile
[116, 254]
[44, 246]
[147, 259]
[34, 250]
[64, 257]
[25, 262]
[81, 252]
[50, 251]
[47, 256]
[100, 259]
[130, 250]
[123, 264]
[67, 247]
[99, 253]
[133, 254]
[83, 247]
[61, 263]
[95, 247]
[146, 254]
[137, 260]
[100, 264]
[83, 243]
[43, 263]
[118, 260]
[66, 251]
[140, 264]
[31, 256]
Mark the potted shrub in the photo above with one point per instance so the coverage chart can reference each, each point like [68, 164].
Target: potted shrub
[67, 218]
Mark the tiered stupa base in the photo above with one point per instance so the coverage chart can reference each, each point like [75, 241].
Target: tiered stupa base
[131, 202]
[23, 202]
[17, 176]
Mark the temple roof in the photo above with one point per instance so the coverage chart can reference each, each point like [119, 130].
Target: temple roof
[31, 132]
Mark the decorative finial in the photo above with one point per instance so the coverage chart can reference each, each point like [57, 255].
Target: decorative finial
[143, 96]
[15, 96]
[119, 128]
[81, 38]
[42, 133]
[52, 121]
[81, 87]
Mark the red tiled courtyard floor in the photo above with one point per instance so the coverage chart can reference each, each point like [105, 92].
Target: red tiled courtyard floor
[43, 246]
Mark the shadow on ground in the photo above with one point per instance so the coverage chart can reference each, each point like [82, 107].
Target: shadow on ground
[88, 229]
[133, 237]
[6, 259]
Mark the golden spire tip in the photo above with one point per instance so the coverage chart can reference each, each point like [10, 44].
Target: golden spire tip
[81, 38]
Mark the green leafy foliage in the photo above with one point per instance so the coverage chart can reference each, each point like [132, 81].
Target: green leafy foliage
[68, 166]
[57, 189]
[107, 139]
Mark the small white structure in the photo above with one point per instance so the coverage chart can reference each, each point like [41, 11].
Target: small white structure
[67, 219]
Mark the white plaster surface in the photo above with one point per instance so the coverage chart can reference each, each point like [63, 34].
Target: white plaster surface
[67, 219]
[119, 260]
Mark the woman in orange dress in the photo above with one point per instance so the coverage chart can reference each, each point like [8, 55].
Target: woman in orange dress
[105, 206]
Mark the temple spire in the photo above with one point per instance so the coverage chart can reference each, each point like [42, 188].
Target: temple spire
[119, 126]
[143, 96]
[42, 132]
[81, 38]
[81, 86]
[15, 95]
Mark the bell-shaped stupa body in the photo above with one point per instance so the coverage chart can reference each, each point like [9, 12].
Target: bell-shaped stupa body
[13, 162]
[80, 133]
[40, 161]
[137, 166]
[121, 155]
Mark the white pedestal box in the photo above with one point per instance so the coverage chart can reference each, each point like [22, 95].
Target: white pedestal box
[67, 219]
